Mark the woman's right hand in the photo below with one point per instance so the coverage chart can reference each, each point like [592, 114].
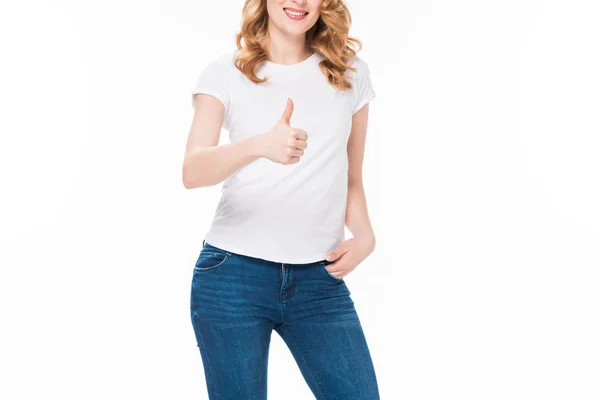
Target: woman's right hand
[284, 144]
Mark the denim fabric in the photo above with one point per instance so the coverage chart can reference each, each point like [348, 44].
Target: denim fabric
[236, 301]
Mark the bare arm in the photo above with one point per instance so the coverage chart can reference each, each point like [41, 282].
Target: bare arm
[357, 216]
[205, 163]
[350, 253]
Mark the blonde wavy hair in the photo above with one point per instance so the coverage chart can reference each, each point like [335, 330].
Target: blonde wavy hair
[328, 37]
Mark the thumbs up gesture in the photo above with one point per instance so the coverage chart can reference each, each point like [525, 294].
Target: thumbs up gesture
[284, 144]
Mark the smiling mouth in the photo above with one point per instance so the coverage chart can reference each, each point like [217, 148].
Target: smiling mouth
[295, 13]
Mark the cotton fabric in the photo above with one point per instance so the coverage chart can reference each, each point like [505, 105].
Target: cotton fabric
[285, 213]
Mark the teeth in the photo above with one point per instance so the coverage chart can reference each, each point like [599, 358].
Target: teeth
[294, 13]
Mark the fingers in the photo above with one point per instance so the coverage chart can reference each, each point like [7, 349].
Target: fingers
[337, 265]
[296, 140]
[334, 255]
[338, 273]
[287, 113]
[297, 143]
[299, 133]
[294, 154]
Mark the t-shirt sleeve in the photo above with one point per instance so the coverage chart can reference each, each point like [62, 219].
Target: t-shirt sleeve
[214, 80]
[364, 87]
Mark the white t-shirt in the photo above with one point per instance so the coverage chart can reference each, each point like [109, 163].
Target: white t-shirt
[285, 213]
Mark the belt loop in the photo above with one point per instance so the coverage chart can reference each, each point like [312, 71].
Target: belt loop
[203, 242]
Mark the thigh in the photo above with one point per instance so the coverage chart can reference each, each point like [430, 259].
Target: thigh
[323, 331]
[232, 325]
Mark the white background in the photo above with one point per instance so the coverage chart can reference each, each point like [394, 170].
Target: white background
[481, 171]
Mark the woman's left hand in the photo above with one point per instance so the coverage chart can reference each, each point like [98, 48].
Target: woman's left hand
[348, 255]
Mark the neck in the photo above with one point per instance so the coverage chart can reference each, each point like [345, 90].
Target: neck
[284, 48]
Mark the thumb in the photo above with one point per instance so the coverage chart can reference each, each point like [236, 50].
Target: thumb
[287, 113]
[339, 251]
[335, 254]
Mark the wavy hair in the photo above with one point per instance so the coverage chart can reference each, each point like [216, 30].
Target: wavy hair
[328, 37]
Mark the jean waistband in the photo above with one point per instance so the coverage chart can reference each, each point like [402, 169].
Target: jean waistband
[208, 245]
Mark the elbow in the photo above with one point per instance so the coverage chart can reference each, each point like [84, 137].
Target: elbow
[189, 179]
[192, 174]
[187, 184]
[193, 179]
[192, 182]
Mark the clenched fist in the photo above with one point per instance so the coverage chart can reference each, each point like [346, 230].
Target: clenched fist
[284, 144]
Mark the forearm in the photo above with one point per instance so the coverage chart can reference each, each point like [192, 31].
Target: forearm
[357, 215]
[208, 166]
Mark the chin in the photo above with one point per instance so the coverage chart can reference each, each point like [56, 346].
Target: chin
[295, 31]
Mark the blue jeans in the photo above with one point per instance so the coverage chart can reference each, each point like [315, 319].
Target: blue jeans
[236, 301]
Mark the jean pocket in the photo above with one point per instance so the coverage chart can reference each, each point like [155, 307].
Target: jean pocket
[210, 259]
[322, 267]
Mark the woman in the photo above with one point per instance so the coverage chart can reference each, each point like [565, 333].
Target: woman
[275, 257]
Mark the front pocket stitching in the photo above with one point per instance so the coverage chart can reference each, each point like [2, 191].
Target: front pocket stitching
[213, 266]
[329, 274]
[211, 254]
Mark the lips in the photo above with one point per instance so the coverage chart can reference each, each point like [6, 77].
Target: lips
[295, 10]
[295, 13]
